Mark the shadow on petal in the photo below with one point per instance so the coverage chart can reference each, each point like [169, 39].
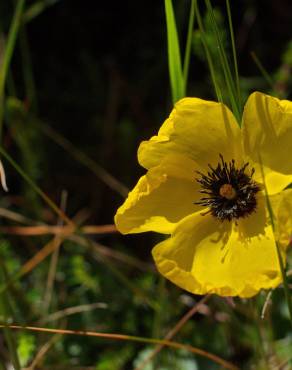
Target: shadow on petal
[254, 225]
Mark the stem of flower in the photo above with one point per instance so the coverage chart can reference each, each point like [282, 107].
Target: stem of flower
[285, 282]
[281, 262]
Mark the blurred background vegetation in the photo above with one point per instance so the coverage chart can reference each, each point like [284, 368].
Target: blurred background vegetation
[87, 82]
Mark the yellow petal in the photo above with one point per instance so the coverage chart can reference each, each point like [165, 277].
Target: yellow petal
[204, 255]
[267, 131]
[282, 209]
[198, 129]
[161, 198]
[275, 181]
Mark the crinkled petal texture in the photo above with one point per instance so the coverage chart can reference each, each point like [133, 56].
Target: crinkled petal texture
[282, 209]
[204, 255]
[161, 198]
[198, 129]
[267, 135]
[194, 135]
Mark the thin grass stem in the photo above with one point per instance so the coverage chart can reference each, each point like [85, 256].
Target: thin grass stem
[31, 95]
[262, 69]
[9, 49]
[189, 43]
[6, 314]
[54, 262]
[173, 331]
[42, 352]
[82, 158]
[208, 54]
[31, 264]
[122, 337]
[280, 258]
[159, 315]
[225, 65]
[36, 9]
[231, 31]
[44, 196]
[120, 276]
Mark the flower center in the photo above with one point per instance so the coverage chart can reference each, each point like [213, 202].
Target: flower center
[231, 192]
[227, 191]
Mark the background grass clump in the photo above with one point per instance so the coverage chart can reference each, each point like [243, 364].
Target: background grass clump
[80, 86]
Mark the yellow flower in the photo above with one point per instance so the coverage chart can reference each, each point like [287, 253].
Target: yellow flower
[204, 188]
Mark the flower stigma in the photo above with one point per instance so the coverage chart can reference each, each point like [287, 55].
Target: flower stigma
[227, 191]
[231, 191]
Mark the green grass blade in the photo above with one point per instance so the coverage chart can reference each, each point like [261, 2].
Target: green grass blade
[189, 44]
[84, 159]
[231, 31]
[208, 54]
[229, 80]
[174, 57]
[37, 9]
[10, 45]
[27, 70]
[262, 69]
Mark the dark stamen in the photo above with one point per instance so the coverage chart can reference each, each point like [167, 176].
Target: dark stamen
[231, 191]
